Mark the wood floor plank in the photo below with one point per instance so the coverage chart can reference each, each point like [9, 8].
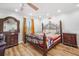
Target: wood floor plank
[10, 51]
[34, 51]
[71, 50]
[59, 52]
[6, 52]
[15, 52]
[19, 50]
[28, 50]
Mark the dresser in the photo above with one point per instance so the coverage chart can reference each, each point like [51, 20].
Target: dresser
[70, 39]
[10, 27]
[11, 39]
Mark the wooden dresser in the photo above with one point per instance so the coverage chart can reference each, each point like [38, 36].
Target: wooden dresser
[70, 39]
[11, 39]
[10, 27]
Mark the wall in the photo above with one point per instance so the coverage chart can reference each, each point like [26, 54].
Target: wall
[70, 23]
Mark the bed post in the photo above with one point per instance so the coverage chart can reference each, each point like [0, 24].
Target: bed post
[45, 45]
[42, 27]
[61, 29]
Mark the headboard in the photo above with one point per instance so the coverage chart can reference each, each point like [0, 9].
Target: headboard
[51, 28]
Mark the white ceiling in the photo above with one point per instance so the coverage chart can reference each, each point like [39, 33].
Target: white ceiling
[44, 8]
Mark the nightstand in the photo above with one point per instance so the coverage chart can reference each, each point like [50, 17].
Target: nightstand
[70, 39]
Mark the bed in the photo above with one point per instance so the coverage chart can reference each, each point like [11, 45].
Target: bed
[50, 36]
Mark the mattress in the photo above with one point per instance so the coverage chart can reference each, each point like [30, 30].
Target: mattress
[54, 37]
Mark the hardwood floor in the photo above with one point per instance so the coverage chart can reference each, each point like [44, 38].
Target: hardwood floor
[27, 50]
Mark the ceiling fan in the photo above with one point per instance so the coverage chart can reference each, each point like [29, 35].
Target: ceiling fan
[29, 4]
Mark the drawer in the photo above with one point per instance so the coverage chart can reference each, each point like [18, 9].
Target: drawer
[69, 39]
[11, 40]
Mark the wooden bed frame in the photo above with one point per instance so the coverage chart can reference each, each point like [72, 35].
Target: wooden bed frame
[45, 49]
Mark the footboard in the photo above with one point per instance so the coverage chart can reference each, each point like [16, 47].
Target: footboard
[41, 43]
[38, 43]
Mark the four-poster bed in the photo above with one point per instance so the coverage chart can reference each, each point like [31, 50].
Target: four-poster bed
[46, 40]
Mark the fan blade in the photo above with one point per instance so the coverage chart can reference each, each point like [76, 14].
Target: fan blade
[22, 7]
[33, 6]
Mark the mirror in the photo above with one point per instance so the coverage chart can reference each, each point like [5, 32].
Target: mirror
[10, 25]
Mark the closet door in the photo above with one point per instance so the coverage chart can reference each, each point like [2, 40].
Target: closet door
[1, 25]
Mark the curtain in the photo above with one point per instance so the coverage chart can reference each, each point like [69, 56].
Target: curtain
[24, 29]
[32, 25]
[24, 26]
[39, 24]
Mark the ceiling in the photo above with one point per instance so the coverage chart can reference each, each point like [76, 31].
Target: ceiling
[44, 8]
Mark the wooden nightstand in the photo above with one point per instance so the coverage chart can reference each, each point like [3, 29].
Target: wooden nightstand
[69, 39]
